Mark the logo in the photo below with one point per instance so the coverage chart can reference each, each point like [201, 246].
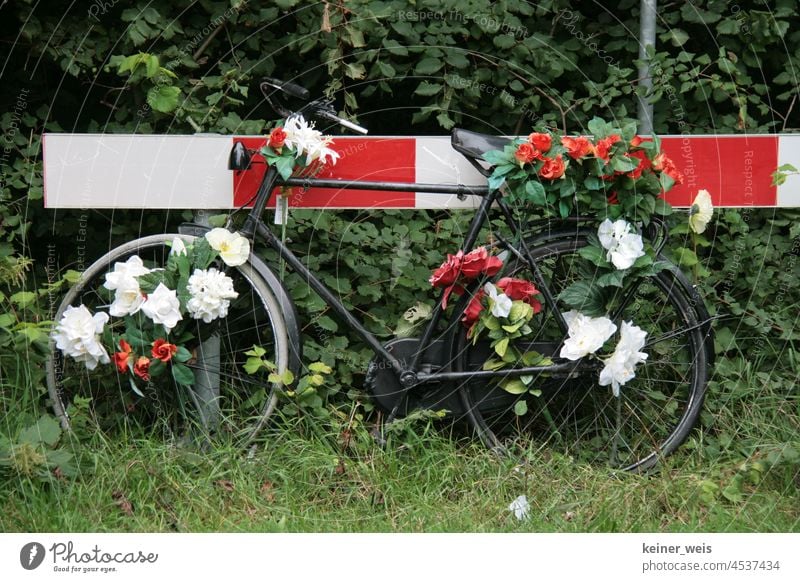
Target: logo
[31, 555]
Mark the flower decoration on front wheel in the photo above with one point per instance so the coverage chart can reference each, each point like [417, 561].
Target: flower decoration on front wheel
[155, 312]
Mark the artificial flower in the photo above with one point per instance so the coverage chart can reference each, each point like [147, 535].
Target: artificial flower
[78, 335]
[478, 262]
[553, 168]
[233, 248]
[446, 274]
[541, 141]
[664, 164]
[644, 164]
[500, 303]
[603, 147]
[128, 298]
[623, 245]
[178, 248]
[577, 147]
[520, 507]
[701, 212]
[586, 334]
[305, 140]
[210, 294]
[123, 357]
[621, 365]
[522, 290]
[474, 309]
[163, 350]
[142, 368]
[163, 307]
[277, 138]
[527, 153]
[133, 267]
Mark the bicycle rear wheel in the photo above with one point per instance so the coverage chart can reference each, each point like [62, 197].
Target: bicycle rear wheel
[655, 411]
[225, 401]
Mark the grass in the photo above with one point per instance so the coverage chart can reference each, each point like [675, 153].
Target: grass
[309, 483]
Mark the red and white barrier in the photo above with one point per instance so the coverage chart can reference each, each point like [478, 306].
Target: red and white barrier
[179, 171]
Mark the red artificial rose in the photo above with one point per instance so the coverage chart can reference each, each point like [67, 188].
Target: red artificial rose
[478, 262]
[637, 141]
[577, 147]
[526, 153]
[603, 148]
[553, 168]
[663, 164]
[473, 310]
[612, 198]
[448, 272]
[277, 138]
[644, 164]
[163, 350]
[142, 368]
[122, 357]
[541, 141]
[520, 290]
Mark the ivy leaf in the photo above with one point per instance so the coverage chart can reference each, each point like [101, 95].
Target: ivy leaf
[428, 66]
[427, 89]
[163, 99]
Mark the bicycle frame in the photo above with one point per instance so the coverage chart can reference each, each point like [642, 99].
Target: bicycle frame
[408, 374]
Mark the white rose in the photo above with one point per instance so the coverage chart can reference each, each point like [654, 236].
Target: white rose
[500, 302]
[128, 298]
[210, 293]
[586, 335]
[178, 248]
[233, 248]
[620, 366]
[630, 248]
[78, 335]
[163, 307]
[133, 267]
[701, 211]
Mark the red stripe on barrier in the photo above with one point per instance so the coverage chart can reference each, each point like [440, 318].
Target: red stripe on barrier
[361, 159]
[736, 169]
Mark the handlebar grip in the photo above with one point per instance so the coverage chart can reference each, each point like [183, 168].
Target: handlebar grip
[288, 87]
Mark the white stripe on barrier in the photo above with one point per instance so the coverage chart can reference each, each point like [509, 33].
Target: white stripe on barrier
[789, 153]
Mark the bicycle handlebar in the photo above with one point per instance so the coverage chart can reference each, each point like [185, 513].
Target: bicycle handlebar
[319, 108]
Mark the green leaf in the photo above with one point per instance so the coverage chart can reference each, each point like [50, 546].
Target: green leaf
[501, 346]
[135, 388]
[594, 255]
[253, 365]
[685, 257]
[613, 278]
[584, 297]
[327, 323]
[182, 374]
[355, 70]
[46, 430]
[520, 408]
[428, 66]
[182, 355]
[427, 89]
[23, 298]
[320, 368]
[163, 99]
[157, 367]
[624, 163]
[535, 193]
[514, 386]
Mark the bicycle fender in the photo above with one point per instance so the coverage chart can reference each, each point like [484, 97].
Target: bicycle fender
[288, 309]
[276, 286]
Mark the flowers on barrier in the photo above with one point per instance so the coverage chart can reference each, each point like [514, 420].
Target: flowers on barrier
[153, 313]
[296, 146]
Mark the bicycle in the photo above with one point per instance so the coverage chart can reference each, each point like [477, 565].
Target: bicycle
[440, 369]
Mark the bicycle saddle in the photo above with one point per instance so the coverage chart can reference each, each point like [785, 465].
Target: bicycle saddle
[474, 145]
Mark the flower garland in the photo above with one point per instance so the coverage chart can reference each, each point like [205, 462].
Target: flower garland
[171, 299]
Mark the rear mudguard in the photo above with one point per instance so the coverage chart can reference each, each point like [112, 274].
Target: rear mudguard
[276, 286]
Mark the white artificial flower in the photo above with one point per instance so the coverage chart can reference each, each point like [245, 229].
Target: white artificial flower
[304, 139]
[233, 248]
[623, 245]
[133, 267]
[128, 298]
[178, 248]
[586, 334]
[520, 507]
[78, 335]
[701, 211]
[163, 307]
[501, 303]
[210, 293]
[620, 366]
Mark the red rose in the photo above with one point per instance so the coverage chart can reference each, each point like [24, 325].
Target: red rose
[526, 153]
[277, 138]
[473, 310]
[541, 141]
[663, 164]
[163, 350]
[603, 147]
[122, 357]
[612, 198]
[553, 168]
[644, 164]
[520, 290]
[478, 262]
[142, 368]
[577, 147]
[448, 272]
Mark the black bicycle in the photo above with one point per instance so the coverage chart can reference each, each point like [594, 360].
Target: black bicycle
[441, 369]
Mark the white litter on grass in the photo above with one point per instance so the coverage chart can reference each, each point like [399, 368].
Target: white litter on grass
[520, 507]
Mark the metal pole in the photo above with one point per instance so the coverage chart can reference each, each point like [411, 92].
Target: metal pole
[647, 37]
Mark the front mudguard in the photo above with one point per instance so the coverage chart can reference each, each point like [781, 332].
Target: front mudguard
[278, 289]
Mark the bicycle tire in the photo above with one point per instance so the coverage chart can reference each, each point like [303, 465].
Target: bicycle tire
[244, 403]
[568, 405]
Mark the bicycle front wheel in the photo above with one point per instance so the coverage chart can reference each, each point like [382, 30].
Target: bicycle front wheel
[654, 412]
[224, 401]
